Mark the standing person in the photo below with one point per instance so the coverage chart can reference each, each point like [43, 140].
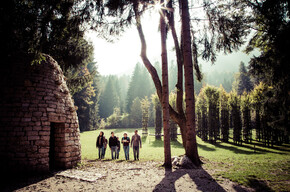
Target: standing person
[113, 145]
[118, 147]
[126, 141]
[100, 144]
[105, 146]
[136, 142]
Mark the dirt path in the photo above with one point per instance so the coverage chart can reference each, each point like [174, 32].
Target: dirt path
[130, 176]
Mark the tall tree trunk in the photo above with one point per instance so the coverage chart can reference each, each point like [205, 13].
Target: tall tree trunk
[154, 75]
[191, 145]
[165, 94]
[179, 119]
[179, 84]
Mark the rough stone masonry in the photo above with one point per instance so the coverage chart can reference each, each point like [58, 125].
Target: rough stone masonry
[39, 128]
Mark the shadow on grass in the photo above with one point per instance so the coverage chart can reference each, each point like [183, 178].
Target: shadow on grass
[255, 143]
[251, 149]
[235, 149]
[258, 185]
[203, 181]
[159, 143]
[176, 144]
[204, 147]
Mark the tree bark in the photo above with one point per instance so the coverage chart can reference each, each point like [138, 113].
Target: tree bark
[191, 145]
[165, 94]
[178, 118]
[179, 84]
[154, 75]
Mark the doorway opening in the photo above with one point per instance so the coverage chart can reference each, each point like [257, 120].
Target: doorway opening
[55, 135]
[52, 147]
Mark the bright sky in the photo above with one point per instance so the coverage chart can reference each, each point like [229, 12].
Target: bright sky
[121, 56]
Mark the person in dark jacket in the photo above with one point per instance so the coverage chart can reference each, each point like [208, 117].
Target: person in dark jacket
[126, 147]
[100, 144]
[113, 142]
[136, 143]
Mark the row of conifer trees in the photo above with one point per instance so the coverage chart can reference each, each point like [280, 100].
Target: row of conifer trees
[217, 112]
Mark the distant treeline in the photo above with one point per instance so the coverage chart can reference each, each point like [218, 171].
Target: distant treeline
[121, 95]
[121, 91]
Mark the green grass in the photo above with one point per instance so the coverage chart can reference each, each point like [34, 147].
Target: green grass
[262, 168]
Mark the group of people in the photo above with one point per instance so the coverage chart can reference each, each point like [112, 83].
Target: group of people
[115, 145]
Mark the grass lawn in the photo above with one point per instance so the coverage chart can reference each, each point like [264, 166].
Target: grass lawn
[261, 168]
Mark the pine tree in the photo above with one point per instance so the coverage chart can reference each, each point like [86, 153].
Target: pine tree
[94, 108]
[108, 99]
[140, 85]
[257, 101]
[212, 97]
[136, 113]
[203, 118]
[172, 124]
[145, 105]
[235, 103]
[224, 120]
[244, 82]
[158, 116]
[272, 20]
[246, 113]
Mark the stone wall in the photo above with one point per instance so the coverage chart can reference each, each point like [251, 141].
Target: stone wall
[38, 120]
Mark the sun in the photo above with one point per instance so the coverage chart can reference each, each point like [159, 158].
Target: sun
[157, 6]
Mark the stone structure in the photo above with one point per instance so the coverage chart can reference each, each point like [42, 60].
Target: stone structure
[38, 120]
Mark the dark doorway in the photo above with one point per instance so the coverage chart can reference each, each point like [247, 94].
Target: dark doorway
[52, 147]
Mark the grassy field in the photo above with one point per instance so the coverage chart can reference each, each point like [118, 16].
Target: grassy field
[262, 168]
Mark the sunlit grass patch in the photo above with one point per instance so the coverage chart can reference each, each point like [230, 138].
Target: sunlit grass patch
[264, 169]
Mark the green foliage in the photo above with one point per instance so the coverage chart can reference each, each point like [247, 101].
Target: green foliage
[140, 85]
[272, 22]
[114, 120]
[224, 120]
[244, 81]
[52, 27]
[172, 124]
[246, 111]
[85, 95]
[202, 115]
[158, 115]
[136, 113]
[145, 105]
[212, 98]
[109, 98]
[235, 106]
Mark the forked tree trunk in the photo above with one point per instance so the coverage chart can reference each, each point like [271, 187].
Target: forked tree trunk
[179, 84]
[165, 94]
[191, 145]
[154, 75]
[180, 119]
